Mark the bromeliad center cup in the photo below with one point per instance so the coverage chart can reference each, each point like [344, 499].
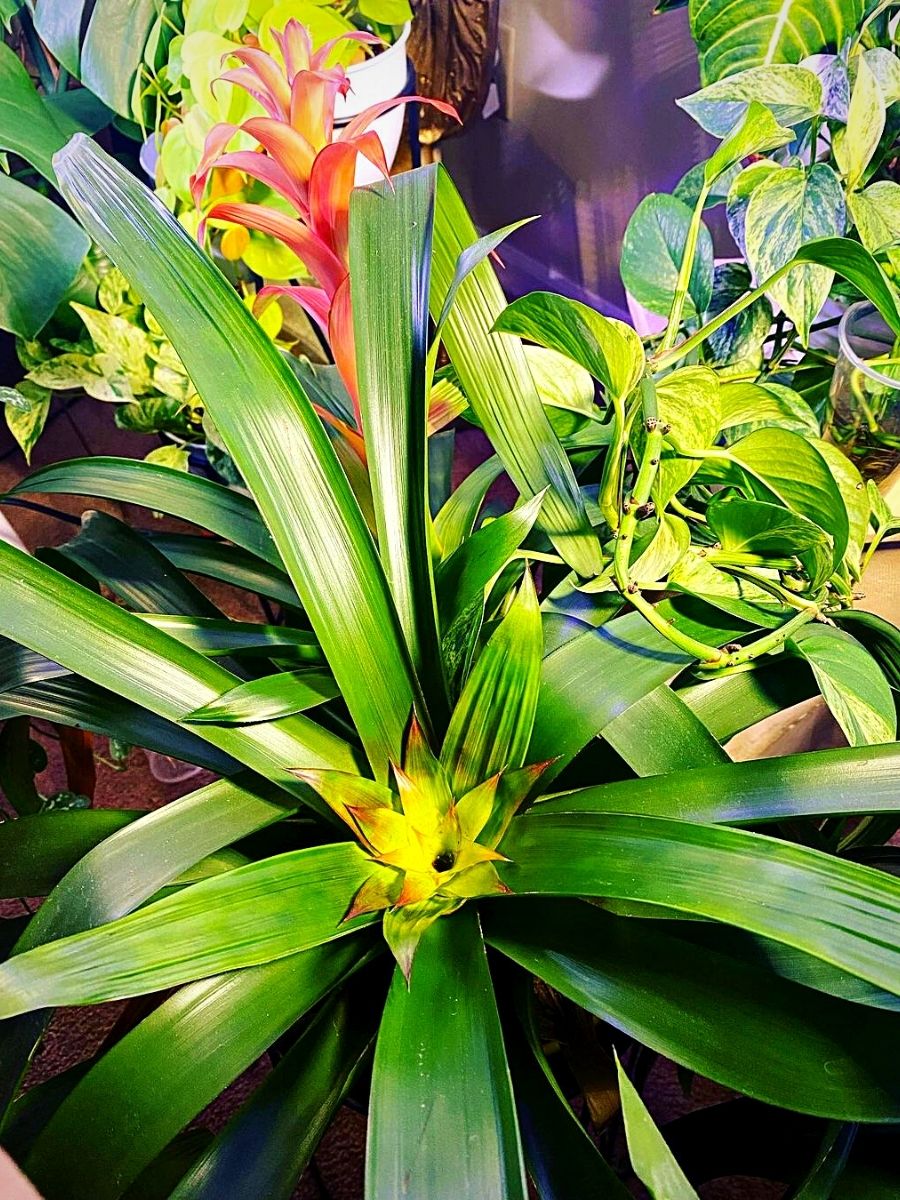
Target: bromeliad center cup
[864, 400]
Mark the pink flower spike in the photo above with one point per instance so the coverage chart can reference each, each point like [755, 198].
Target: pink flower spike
[330, 184]
[313, 95]
[269, 73]
[289, 148]
[318, 258]
[244, 78]
[370, 146]
[321, 55]
[361, 123]
[295, 46]
[270, 172]
[216, 141]
[312, 300]
[343, 343]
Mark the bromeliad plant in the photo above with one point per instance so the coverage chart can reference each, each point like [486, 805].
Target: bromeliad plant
[532, 773]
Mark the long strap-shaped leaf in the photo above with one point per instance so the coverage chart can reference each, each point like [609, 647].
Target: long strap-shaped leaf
[210, 505]
[75, 627]
[265, 1148]
[271, 431]
[255, 914]
[786, 1045]
[834, 910]
[144, 1090]
[499, 386]
[442, 1124]
[390, 253]
[121, 873]
[627, 655]
[821, 783]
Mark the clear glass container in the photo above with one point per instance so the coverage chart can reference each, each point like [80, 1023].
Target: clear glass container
[864, 401]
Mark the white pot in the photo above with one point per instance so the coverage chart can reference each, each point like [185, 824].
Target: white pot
[381, 77]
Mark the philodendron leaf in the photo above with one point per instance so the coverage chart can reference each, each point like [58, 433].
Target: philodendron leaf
[610, 350]
[790, 94]
[653, 1161]
[885, 66]
[738, 198]
[688, 402]
[27, 127]
[25, 408]
[491, 725]
[41, 249]
[738, 345]
[732, 35]
[756, 132]
[876, 214]
[755, 527]
[835, 79]
[267, 699]
[855, 144]
[851, 682]
[749, 406]
[789, 208]
[786, 466]
[652, 251]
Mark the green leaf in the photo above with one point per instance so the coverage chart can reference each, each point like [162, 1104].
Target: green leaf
[755, 527]
[266, 1146]
[739, 344]
[786, 1045]
[214, 637]
[790, 94]
[789, 208]
[659, 733]
[732, 35]
[571, 709]
[41, 249]
[798, 785]
[455, 521]
[462, 578]
[267, 699]
[97, 639]
[433, 1093]
[653, 1161]
[652, 251]
[496, 379]
[278, 444]
[857, 142]
[185, 1052]
[738, 199]
[255, 914]
[25, 407]
[876, 214]
[562, 1160]
[831, 909]
[390, 242]
[755, 133]
[110, 48]
[851, 682]
[212, 506]
[468, 260]
[610, 350]
[229, 564]
[491, 725]
[853, 492]
[749, 406]
[132, 568]
[688, 401]
[36, 851]
[784, 465]
[27, 127]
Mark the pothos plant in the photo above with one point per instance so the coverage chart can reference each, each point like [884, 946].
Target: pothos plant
[470, 756]
[833, 85]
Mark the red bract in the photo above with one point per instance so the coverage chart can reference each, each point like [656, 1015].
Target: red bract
[300, 159]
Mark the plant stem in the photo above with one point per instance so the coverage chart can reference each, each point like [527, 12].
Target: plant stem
[684, 274]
